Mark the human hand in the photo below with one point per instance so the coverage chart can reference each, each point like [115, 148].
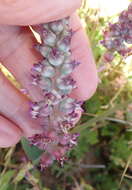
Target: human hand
[18, 55]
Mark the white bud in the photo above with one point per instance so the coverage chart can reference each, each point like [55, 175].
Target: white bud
[66, 105]
[48, 71]
[56, 27]
[50, 39]
[36, 107]
[63, 47]
[45, 26]
[45, 84]
[66, 69]
[56, 61]
[34, 114]
[66, 91]
[44, 50]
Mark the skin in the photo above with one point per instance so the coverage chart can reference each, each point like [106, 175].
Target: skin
[18, 55]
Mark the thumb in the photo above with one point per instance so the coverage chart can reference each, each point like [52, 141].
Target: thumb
[29, 12]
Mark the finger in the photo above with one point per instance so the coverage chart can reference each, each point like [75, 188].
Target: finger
[17, 54]
[10, 134]
[15, 107]
[14, 12]
[86, 73]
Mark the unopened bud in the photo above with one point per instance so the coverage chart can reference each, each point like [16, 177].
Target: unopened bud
[55, 57]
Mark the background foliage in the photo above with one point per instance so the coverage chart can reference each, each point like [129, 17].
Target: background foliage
[103, 158]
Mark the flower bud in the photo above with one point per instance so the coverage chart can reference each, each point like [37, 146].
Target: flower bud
[35, 79]
[65, 85]
[45, 110]
[108, 57]
[56, 26]
[34, 109]
[67, 106]
[48, 72]
[73, 140]
[49, 38]
[45, 84]
[58, 152]
[55, 57]
[46, 160]
[44, 50]
[64, 44]
[67, 68]
[37, 67]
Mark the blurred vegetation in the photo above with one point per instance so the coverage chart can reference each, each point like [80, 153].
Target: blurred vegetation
[103, 158]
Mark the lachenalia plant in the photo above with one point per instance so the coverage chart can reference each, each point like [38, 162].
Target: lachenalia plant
[57, 110]
[118, 36]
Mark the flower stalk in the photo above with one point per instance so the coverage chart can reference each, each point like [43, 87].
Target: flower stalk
[57, 109]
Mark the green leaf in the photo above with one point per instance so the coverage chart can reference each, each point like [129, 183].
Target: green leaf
[5, 179]
[93, 105]
[32, 152]
[92, 137]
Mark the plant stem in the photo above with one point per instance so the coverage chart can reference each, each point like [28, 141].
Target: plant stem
[101, 117]
[32, 182]
[110, 119]
[91, 166]
[126, 167]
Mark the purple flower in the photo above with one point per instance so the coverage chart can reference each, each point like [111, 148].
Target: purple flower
[46, 160]
[118, 36]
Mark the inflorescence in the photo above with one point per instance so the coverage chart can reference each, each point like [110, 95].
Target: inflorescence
[57, 109]
[118, 36]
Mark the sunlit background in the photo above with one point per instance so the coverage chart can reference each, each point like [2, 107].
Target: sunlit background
[108, 7]
[102, 160]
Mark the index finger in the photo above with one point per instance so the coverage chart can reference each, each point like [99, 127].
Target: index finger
[30, 12]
